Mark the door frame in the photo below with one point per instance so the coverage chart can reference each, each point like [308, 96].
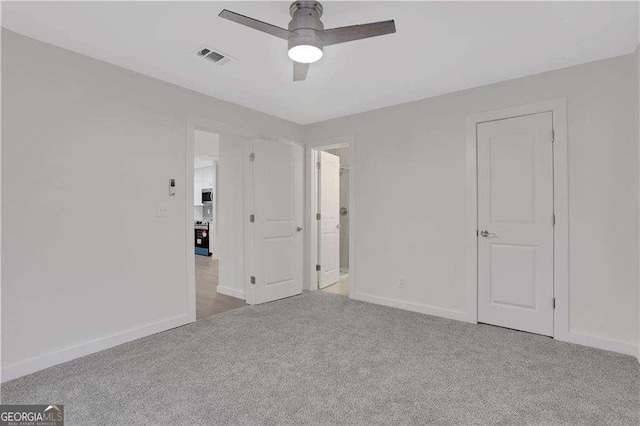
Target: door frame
[558, 108]
[312, 207]
[206, 125]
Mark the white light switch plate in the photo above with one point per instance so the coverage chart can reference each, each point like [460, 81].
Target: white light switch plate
[162, 210]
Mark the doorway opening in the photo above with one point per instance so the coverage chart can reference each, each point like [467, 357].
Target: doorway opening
[333, 202]
[332, 230]
[206, 161]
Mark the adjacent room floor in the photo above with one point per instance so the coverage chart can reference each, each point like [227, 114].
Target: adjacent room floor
[322, 358]
[208, 300]
[341, 287]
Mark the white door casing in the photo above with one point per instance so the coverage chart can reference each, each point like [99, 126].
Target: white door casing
[329, 203]
[276, 239]
[515, 223]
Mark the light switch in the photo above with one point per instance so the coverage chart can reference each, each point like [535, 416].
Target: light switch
[162, 210]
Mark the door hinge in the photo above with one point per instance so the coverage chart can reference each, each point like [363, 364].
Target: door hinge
[252, 218]
[553, 136]
[553, 219]
[554, 303]
[317, 267]
[253, 280]
[317, 216]
[318, 165]
[252, 156]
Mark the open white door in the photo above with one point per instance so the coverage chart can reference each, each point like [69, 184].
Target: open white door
[329, 194]
[276, 204]
[515, 221]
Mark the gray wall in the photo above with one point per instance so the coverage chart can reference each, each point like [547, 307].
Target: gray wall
[637, 115]
[87, 149]
[411, 207]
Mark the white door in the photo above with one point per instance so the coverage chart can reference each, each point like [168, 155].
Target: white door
[329, 194]
[515, 223]
[275, 254]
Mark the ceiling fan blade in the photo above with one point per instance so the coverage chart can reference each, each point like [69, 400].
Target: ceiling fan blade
[255, 24]
[300, 71]
[357, 32]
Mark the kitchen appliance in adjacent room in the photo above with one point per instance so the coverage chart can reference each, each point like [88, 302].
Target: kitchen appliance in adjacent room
[201, 230]
[207, 196]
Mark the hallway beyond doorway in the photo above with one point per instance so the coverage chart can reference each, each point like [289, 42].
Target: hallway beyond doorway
[341, 287]
[208, 300]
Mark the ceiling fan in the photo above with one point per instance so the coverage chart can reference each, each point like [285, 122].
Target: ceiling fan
[306, 34]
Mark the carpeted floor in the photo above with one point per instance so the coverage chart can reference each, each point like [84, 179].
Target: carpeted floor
[322, 358]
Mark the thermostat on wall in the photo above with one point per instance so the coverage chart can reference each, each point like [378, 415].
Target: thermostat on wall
[172, 187]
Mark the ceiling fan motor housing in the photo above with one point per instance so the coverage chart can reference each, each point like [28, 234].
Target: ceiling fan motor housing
[305, 25]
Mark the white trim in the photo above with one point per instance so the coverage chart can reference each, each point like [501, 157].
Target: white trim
[45, 361]
[600, 343]
[415, 307]
[312, 206]
[239, 294]
[558, 107]
[207, 125]
[189, 242]
[248, 230]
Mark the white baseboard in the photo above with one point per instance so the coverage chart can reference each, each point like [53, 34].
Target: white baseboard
[415, 307]
[599, 343]
[32, 365]
[571, 337]
[239, 294]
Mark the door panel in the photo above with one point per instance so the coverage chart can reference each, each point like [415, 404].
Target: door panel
[515, 220]
[329, 193]
[513, 271]
[512, 178]
[277, 244]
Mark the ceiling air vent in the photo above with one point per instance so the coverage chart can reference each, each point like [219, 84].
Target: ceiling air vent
[213, 56]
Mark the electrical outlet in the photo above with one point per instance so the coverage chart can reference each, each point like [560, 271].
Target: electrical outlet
[162, 210]
[401, 282]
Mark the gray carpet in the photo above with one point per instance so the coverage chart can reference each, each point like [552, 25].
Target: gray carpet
[322, 358]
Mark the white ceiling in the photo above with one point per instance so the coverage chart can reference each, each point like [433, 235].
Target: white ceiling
[439, 47]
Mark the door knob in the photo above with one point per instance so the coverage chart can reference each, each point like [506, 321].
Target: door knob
[488, 234]
[298, 229]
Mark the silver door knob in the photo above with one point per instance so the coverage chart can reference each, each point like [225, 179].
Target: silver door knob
[488, 234]
[298, 229]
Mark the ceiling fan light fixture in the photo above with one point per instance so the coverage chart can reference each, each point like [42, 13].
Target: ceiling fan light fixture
[306, 35]
[305, 53]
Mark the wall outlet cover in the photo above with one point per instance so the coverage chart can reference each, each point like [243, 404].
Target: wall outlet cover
[162, 210]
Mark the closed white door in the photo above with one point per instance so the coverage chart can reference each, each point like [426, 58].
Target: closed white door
[329, 194]
[276, 231]
[515, 222]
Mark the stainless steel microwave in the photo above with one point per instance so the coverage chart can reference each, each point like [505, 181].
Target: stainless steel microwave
[207, 196]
